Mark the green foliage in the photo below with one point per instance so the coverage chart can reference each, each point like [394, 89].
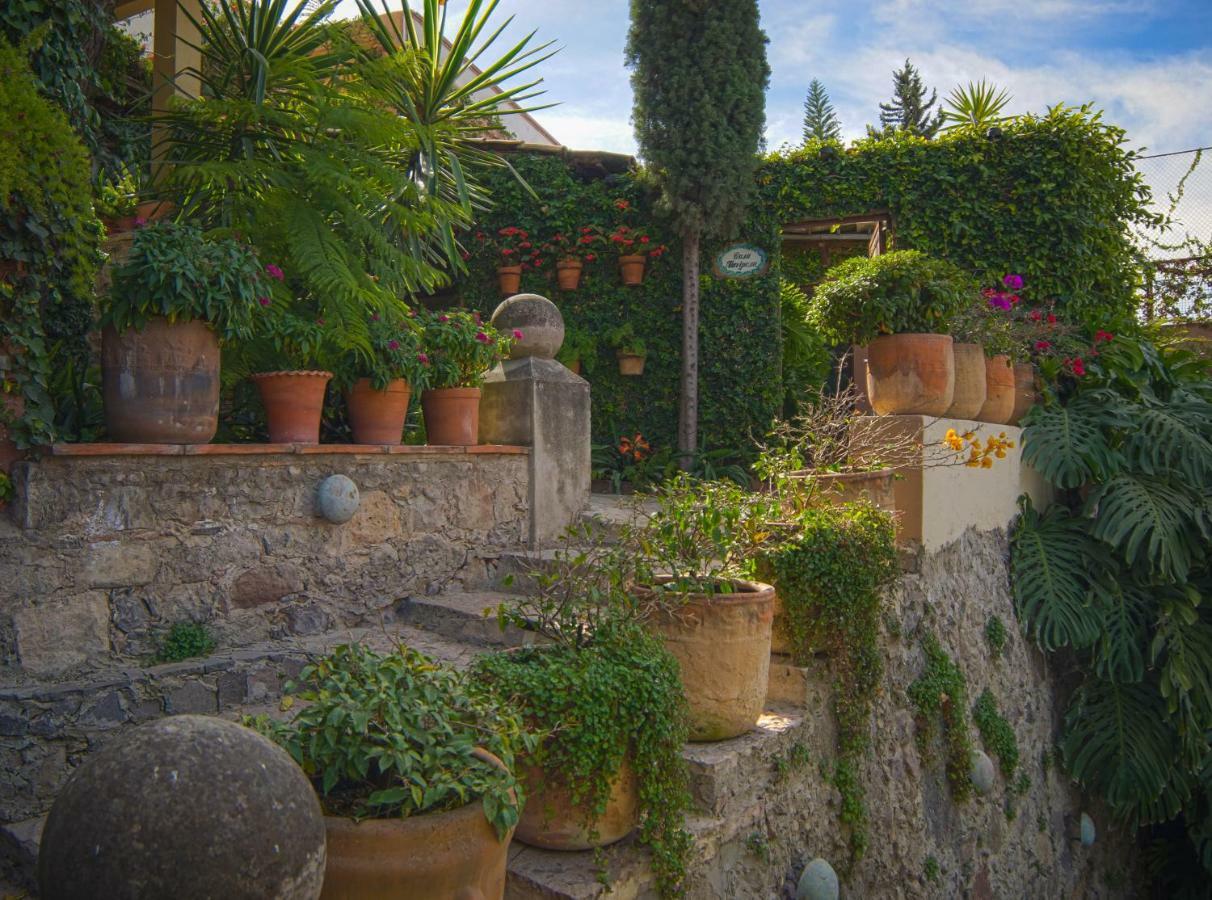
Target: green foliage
[397, 735]
[396, 351]
[896, 293]
[820, 119]
[806, 359]
[942, 691]
[461, 348]
[1069, 445]
[185, 640]
[173, 271]
[1056, 198]
[995, 636]
[996, 733]
[931, 869]
[978, 105]
[909, 110]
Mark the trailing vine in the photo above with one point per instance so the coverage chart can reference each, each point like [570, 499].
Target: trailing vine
[941, 692]
[831, 578]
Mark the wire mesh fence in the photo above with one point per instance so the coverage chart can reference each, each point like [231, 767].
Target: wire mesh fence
[1178, 276]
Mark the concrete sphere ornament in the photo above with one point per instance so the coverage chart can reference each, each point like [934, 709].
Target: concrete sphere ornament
[818, 882]
[1088, 832]
[539, 322]
[337, 499]
[186, 807]
[982, 772]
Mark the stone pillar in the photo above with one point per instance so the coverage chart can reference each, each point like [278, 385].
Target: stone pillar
[534, 401]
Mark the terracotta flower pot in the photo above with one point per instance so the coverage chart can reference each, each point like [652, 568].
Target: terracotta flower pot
[631, 267]
[509, 278]
[630, 363]
[910, 374]
[551, 821]
[568, 274]
[838, 488]
[452, 416]
[999, 388]
[161, 385]
[453, 854]
[1024, 391]
[293, 402]
[377, 417]
[969, 381]
[722, 645]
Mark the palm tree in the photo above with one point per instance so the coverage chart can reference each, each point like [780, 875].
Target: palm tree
[978, 104]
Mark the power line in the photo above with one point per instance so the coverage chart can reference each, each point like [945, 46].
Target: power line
[1175, 153]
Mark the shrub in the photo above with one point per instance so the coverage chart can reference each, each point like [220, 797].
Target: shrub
[185, 640]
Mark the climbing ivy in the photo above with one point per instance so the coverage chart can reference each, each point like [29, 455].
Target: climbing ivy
[941, 692]
[996, 733]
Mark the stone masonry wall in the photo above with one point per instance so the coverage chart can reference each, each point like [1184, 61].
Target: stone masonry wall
[99, 555]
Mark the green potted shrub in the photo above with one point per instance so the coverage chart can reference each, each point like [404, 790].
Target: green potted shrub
[412, 762]
[630, 349]
[459, 349]
[379, 381]
[174, 299]
[607, 699]
[578, 350]
[901, 306]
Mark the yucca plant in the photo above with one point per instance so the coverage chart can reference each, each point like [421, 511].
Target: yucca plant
[978, 104]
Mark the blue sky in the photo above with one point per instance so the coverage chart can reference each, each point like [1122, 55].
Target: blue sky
[1148, 64]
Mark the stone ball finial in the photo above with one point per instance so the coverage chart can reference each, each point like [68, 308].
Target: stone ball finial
[538, 319]
[1087, 831]
[185, 807]
[818, 882]
[981, 772]
[337, 499]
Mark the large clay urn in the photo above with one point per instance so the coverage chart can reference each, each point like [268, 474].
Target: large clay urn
[452, 416]
[722, 645]
[550, 819]
[969, 394]
[999, 389]
[377, 416]
[294, 404]
[160, 385]
[910, 374]
[1024, 391]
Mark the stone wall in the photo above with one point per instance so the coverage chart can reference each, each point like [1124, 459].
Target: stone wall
[100, 554]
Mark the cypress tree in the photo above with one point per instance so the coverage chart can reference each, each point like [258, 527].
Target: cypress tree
[820, 120]
[699, 76]
[908, 111]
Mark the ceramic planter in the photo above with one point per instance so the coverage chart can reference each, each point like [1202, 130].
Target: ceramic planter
[551, 821]
[568, 274]
[452, 416]
[294, 402]
[910, 374]
[999, 390]
[377, 417]
[722, 645]
[509, 279]
[631, 268]
[161, 385]
[1024, 391]
[630, 363]
[970, 388]
[838, 488]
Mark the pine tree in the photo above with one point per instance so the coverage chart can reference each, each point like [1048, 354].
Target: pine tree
[820, 120]
[907, 111]
[699, 75]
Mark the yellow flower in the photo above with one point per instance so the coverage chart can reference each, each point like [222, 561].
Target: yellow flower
[986, 463]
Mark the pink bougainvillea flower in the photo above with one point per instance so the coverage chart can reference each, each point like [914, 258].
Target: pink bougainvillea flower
[1101, 335]
[319, 321]
[517, 334]
[1013, 282]
[393, 345]
[423, 358]
[264, 301]
[482, 337]
[443, 318]
[999, 301]
[274, 272]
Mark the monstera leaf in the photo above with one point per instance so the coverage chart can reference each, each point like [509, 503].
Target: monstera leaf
[1173, 438]
[1069, 445]
[1152, 522]
[1126, 609]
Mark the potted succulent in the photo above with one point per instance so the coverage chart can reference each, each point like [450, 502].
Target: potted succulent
[289, 350]
[901, 305]
[606, 698]
[630, 349]
[459, 349]
[412, 762]
[379, 380]
[177, 295]
[572, 249]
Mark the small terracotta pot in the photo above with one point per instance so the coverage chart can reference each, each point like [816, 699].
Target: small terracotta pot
[722, 645]
[630, 364]
[631, 267]
[294, 402]
[568, 274]
[911, 374]
[574, 366]
[999, 388]
[549, 819]
[509, 278]
[161, 385]
[1024, 391]
[452, 416]
[377, 417]
[969, 394]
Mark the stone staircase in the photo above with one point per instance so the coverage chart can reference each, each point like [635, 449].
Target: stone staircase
[732, 782]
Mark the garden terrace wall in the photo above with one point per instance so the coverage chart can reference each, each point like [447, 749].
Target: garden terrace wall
[105, 546]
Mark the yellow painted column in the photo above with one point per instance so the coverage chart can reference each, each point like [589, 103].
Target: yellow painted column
[176, 61]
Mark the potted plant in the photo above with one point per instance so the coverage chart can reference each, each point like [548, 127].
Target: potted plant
[412, 762]
[459, 349]
[513, 252]
[572, 249]
[379, 380]
[695, 558]
[177, 295]
[606, 698]
[630, 349]
[117, 201]
[901, 305]
[578, 350]
[291, 347]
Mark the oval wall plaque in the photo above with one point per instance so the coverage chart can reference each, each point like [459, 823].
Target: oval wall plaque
[741, 261]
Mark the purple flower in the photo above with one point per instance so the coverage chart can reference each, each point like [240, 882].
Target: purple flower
[423, 358]
[274, 272]
[517, 334]
[443, 318]
[999, 301]
[393, 345]
[264, 301]
[1013, 282]
[482, 337]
